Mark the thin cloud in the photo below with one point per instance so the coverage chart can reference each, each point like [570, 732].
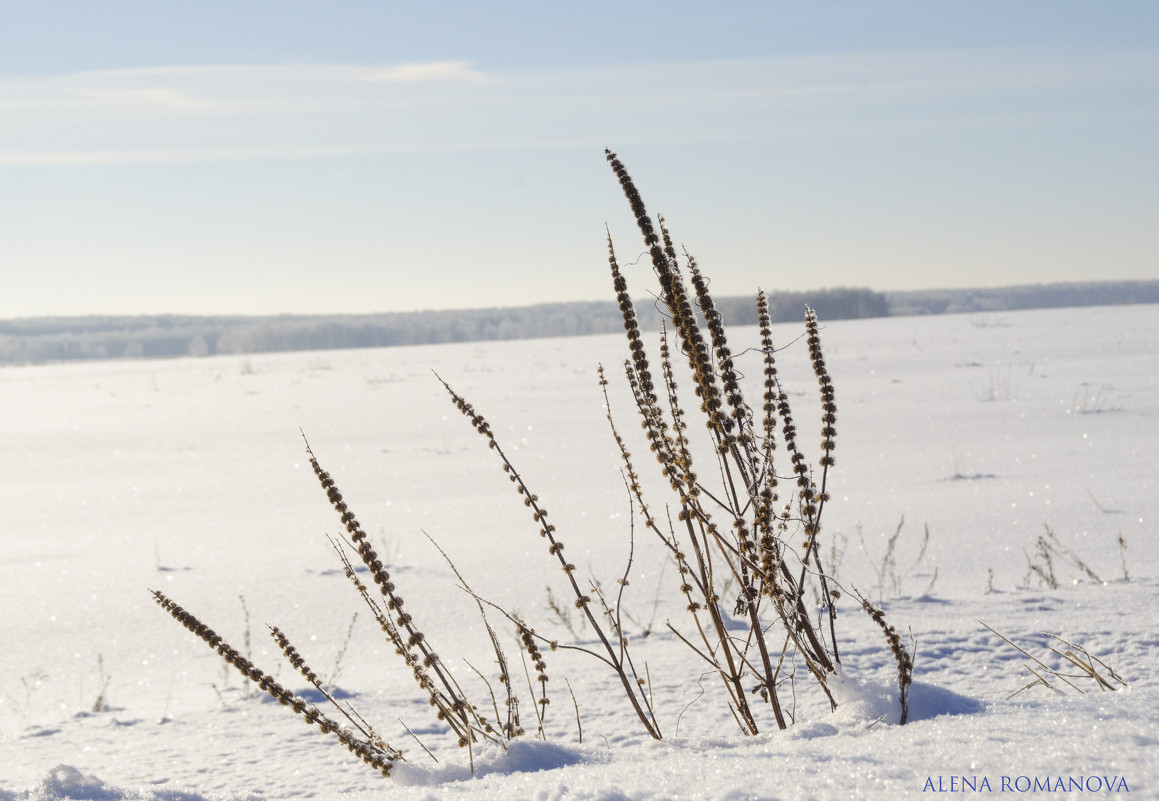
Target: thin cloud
[216, 112]
[460, 71]
[144, 99]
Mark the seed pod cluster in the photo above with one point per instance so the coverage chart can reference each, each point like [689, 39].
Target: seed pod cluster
[828, 405]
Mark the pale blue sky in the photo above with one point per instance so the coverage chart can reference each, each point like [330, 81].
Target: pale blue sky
[300, 156]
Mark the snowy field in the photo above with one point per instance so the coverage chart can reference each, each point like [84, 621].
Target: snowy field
[190, 476]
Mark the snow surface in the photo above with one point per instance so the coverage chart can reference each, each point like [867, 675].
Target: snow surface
[190, 476]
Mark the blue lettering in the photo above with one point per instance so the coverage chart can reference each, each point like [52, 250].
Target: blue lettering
[1006, 784]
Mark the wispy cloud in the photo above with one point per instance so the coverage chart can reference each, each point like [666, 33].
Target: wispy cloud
[217, 112]
[143, 100]
[442, 71]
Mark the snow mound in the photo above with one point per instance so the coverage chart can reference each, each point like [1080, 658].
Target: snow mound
[862, 700]
[521, 756]
[67, 782]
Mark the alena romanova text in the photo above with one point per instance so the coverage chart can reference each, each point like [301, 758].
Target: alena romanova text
[1026, 784]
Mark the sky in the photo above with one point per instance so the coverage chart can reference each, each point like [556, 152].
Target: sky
[293, 156]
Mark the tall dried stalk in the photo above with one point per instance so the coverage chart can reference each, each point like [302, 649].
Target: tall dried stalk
[366, 744]
[616, 656]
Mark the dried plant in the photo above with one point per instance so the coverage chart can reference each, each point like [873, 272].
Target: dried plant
[101, 704]
[561, 613]
[1048, 547]
[445, 696]
[901, 655]
[736, 526]
[730, 532]
[1078, 664]
[366, 745]
[890, 577]
[617, 655]
[727, 531]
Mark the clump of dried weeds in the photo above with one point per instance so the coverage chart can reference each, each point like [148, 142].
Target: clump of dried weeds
[754, 526]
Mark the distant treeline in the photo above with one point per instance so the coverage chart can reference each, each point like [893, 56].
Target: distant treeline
[68, 338]
[1031, 296]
